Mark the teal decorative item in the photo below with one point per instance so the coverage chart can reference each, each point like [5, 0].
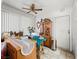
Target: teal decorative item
[39, 40]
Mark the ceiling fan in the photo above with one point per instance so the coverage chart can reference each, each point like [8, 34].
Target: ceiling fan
[32, 9]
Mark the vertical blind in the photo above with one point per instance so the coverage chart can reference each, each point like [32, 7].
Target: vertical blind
[9, 22]
[12, 21]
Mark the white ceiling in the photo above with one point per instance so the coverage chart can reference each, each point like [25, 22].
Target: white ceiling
[47, 5]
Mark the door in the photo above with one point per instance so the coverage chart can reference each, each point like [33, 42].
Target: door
[62, 29]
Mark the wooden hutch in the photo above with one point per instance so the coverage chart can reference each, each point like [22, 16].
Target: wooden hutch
[46, 28]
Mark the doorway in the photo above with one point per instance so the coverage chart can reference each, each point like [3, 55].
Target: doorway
[62, 31]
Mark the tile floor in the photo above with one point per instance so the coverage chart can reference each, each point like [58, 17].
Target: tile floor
[58, 54]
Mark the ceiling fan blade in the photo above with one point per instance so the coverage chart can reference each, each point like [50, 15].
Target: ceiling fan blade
[35, 12]
[26, 8]
[28, 11]
[38, 9]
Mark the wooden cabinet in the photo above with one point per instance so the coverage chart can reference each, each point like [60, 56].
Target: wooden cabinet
[47, 30]
[14, 52]
[11, 51]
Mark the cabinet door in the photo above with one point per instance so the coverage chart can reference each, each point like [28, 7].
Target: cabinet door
[11, 51]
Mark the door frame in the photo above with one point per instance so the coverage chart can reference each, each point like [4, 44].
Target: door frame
[70, 40]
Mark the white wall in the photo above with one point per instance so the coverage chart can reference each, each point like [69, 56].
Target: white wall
[74, 28]
[13, 19]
